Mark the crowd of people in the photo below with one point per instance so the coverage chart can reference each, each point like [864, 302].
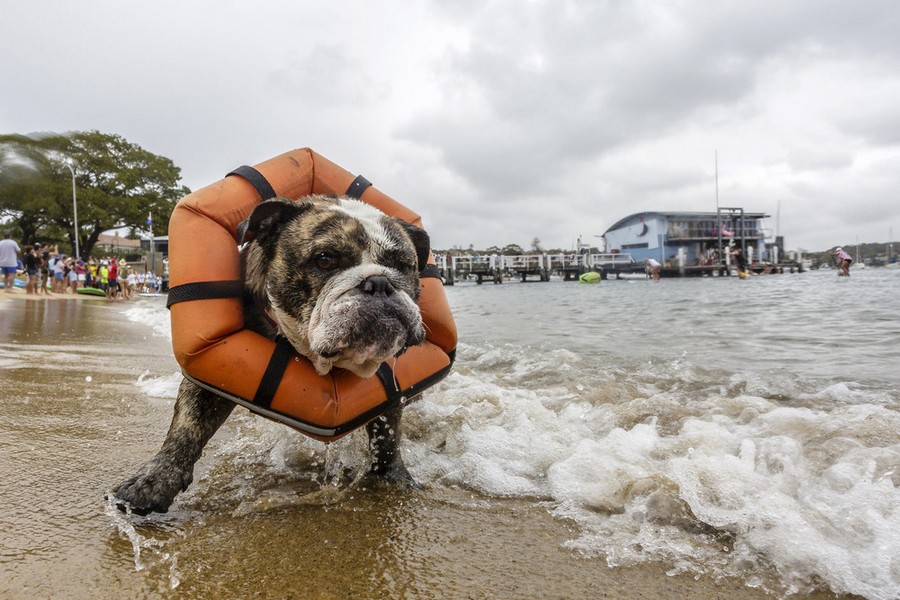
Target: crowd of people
[47, 271]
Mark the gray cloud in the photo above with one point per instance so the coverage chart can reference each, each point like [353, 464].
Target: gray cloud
[542, 92]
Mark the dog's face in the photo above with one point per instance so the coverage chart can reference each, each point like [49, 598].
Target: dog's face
[338, 277]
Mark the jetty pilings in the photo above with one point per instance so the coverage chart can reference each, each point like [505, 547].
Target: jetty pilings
[541, 267]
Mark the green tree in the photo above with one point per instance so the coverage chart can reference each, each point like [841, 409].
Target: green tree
[117, 185]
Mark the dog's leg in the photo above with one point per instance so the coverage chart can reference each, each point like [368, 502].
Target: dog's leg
[198, 415]
[384, 440]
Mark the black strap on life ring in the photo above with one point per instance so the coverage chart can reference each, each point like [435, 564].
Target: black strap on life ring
[389, 381]
[268, 385]
[281, 357]
[214, 290]
[257, 180]
[356, 189]
[359, 185]
[430, 271]
[204, 290]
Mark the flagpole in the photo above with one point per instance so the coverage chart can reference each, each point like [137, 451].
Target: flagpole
[718, 212]
[717, 181]
[152, 257]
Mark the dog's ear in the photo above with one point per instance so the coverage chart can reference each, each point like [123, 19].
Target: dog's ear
[268, 218]
[242, 235]
[420, 240]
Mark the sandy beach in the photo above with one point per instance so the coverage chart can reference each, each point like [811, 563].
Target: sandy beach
[74, 423]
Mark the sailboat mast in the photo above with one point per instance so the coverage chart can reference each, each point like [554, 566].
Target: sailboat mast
[717, 182]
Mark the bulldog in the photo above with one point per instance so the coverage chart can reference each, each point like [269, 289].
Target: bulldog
[339, 280]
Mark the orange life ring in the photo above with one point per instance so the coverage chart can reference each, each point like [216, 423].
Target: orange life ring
[216, 351]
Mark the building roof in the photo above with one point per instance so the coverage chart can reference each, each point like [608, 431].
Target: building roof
[118, 241]
[676, 215]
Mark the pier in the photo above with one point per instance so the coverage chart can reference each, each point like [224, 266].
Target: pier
[540, 267]
[529, 267]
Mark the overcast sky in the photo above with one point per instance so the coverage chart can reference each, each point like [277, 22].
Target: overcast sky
[497, 121]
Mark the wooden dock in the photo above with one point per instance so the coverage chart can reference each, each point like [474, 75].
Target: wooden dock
[541, 267]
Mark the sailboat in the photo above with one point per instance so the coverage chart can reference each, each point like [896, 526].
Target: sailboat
[858, 264]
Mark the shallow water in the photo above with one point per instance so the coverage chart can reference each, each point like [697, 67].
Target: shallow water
[743, 432]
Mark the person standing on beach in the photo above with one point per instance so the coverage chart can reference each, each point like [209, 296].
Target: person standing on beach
[72, 276]
[59, 275]
[80, 274]
[113, 280]
[103, 276]
[131, 283]
[123, 280]
[9, 260]
[43, 255]
[93, 274]
[30, 262]
[845, 259]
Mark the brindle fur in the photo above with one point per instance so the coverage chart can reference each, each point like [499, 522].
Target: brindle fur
[282, 270]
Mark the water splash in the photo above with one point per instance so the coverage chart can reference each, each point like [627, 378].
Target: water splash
[143, 545]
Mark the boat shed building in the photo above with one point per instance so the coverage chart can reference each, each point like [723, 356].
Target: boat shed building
[691, 238]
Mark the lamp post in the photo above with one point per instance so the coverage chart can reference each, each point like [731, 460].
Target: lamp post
[152, 255]
[75, 209]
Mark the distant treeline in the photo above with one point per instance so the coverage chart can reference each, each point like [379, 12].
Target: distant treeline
[875, 253]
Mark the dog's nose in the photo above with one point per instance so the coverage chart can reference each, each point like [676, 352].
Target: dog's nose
[377, 285]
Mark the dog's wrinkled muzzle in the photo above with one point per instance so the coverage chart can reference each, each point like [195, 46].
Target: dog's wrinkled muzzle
[377, 285]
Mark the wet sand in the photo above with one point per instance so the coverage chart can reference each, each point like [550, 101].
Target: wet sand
[73, 423]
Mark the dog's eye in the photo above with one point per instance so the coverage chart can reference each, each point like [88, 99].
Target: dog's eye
[326, 262]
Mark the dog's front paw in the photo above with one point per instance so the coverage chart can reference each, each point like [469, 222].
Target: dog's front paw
[394, 472]
[152, 489]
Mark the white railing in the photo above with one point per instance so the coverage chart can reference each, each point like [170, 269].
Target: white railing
[465, 265]
[610, 259]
